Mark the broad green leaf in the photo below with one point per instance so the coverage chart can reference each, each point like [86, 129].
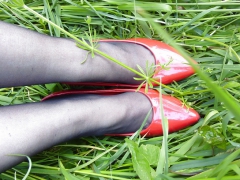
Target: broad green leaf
[140, 162]
[151, 152]
[212, 136]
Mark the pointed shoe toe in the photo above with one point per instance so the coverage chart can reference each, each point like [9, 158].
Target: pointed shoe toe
[178, 115]
[169, 64]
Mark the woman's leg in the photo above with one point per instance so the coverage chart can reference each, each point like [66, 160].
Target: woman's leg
[31, 128]
[27, 58]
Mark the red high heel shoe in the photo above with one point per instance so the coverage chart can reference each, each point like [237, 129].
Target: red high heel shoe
[179, 116]
[178, 67]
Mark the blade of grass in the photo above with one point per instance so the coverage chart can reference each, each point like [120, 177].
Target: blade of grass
[162, 167]
[200, 15]
[29, 162]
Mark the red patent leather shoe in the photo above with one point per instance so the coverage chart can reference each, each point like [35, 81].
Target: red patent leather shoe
[178, 67]
[179, 116]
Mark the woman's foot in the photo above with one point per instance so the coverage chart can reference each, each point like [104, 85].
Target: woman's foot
[165, 64]
[102, 114]
[131, 108]
[100, 69]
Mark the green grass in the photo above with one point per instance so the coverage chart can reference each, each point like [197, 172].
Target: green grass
[209, 31]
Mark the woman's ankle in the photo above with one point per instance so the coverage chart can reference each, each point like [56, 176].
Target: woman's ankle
[136, 108]
[100, 69]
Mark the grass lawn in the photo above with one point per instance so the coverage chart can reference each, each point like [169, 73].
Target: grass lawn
[208, 31]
